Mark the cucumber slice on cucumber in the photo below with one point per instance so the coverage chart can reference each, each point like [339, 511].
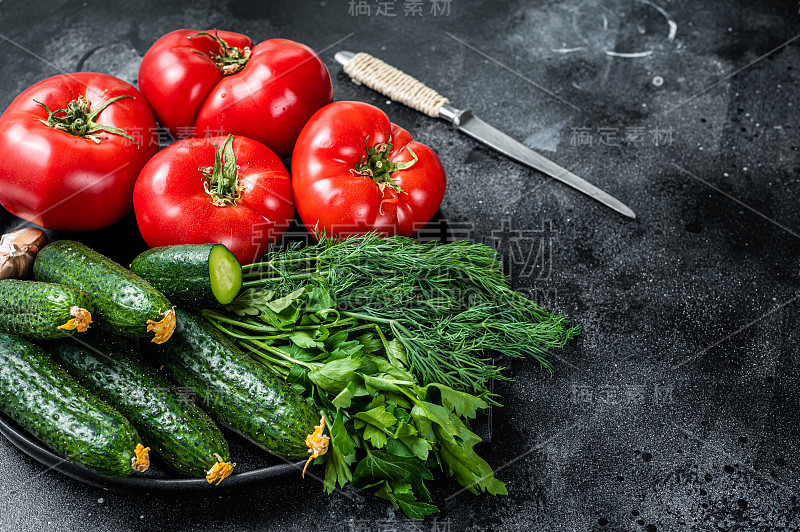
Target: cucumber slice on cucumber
[225, 274]
[194, 275]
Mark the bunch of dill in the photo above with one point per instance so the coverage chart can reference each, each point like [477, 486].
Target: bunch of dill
[449, 305]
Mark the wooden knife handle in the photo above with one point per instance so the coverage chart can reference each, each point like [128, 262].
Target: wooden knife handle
[396, 84]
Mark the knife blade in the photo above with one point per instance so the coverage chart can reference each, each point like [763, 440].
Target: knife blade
[374, 73]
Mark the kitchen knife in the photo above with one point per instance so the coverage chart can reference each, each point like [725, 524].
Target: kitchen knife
[399, 86]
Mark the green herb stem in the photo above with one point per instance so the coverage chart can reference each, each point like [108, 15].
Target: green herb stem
[275, 261]
[244, 336]
[367, 317]
[214, 316]
[276, 367]
[287, 360]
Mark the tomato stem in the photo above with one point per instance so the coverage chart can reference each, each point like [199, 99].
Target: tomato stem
[221, 181]
[231, 59]
[79, 120]
[377, 166]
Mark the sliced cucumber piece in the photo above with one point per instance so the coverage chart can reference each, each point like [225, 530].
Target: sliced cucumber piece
[194, 275]
[225, 273]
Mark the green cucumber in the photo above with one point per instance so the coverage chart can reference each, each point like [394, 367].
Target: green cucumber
[237, 390]
[46, 401]
[124, 302]
[196, 275]
[41, 311]
[174, 427]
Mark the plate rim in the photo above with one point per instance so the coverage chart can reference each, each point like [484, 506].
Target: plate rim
[29, 445]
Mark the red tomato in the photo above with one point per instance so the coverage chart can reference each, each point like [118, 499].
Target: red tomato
[353, 171]
[231, 191]
[211, 83]
[74, 169]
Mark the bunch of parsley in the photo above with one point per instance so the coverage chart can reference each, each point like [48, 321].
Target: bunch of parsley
[386, 429]
[388, 338]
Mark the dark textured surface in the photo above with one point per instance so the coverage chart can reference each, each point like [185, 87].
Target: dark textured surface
[676, 407]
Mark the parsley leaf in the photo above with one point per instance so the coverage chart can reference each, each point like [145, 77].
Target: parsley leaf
[380, 465]
[280, 304]
[342, 454]
[462, 403]
[334, 376]
[302, 339]
[377, 417]
[402, 497]
[470, 470]
[250, 302]
[345, 397]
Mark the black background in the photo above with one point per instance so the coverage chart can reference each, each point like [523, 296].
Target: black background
[677, 406]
